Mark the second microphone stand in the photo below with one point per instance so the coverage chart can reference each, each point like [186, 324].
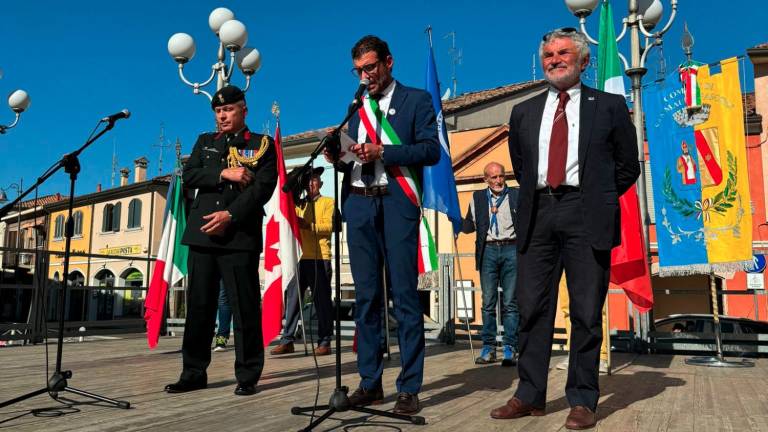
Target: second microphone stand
[339, 401]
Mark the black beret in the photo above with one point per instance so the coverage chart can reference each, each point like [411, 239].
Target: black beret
[227, 95]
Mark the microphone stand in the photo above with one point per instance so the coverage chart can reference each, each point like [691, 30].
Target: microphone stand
[339, 401]
[58, 381]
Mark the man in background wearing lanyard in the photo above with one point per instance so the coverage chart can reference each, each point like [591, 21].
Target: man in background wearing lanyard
[491, 215]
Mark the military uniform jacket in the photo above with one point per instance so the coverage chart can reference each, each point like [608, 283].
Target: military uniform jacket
[202, 172]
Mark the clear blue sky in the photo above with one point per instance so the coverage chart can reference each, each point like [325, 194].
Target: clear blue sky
[82, 60]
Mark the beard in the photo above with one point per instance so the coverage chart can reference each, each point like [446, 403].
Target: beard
[497, 188]
[566, 81]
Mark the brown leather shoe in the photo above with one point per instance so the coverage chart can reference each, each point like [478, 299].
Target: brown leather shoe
[407, 403]
[515, 408]
[282, 349]
[364, 397]
[323, 350]
[580, 418]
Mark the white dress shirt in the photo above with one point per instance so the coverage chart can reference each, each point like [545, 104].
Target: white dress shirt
[545, 133]
[380, 174]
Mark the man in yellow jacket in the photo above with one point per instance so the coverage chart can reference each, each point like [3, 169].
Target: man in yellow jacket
[315, 213]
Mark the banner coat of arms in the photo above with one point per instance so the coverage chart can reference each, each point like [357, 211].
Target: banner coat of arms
[695, 127]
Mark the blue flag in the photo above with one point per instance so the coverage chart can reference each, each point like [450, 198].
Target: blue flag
[439, 191]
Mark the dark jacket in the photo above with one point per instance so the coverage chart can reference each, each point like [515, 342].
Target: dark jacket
[202, 172]
[483, 221]
[414, 121]
[608, 163]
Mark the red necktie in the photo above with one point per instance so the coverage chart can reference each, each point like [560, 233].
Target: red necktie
[558, 144]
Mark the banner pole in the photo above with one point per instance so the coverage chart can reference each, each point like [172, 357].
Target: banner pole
[463, 300]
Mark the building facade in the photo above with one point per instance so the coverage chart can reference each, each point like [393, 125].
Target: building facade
[117, 233]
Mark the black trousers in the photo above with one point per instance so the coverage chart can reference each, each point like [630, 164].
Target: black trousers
[317, 275]
[239, 271]
[558, 239]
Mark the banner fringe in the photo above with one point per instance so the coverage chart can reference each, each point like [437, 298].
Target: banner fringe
[697, 269]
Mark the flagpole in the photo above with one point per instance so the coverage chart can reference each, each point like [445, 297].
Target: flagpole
[457, 259]
[455, 254]
[299, 297]
[386, 313]
[607, 332]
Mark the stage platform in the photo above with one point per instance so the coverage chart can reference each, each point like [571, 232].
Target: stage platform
[645, 393]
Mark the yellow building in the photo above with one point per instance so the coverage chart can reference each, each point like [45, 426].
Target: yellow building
[124, 222]
[78, 265]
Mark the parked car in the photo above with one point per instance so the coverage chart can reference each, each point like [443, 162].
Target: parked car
[695, 333]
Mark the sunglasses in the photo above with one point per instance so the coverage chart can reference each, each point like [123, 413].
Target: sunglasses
[560, 30]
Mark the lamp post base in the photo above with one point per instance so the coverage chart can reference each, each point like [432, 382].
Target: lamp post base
[716, 361]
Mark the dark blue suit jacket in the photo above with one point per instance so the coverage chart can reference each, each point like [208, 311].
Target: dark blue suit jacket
[415, 123]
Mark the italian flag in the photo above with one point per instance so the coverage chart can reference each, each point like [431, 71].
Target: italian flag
[610, 77]
[282, 247]
[629, 265]
[171, 264]
[689, 75]
[380, 130]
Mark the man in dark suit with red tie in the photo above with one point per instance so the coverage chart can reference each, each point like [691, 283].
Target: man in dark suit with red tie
[574, 152]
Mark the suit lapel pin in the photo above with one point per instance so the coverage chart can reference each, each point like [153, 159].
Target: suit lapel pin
[391, 111]
[591, 98]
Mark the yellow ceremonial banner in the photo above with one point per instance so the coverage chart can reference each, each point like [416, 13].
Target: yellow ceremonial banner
[722, 158]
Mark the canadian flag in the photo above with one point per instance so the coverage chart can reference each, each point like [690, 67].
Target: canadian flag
[282, 246]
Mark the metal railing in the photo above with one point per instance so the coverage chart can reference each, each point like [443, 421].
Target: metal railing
[28, 308]
[29, 300]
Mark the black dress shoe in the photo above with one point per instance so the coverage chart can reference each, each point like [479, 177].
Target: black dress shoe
[407, 403]
[365, 397]
[245, 389]
[183, 386]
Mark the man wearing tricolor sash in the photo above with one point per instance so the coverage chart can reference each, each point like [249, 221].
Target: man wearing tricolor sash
[234, 172]
[396, 132]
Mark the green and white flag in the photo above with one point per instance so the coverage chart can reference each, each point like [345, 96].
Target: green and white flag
[171, 264]
[610, 77]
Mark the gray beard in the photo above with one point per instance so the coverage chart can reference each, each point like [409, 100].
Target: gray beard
[565, 82]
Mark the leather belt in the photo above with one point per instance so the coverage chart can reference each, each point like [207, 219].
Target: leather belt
[560, 190]
[371, 191]
[506, 242]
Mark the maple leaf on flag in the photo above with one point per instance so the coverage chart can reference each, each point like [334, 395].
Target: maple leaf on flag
[271, 256]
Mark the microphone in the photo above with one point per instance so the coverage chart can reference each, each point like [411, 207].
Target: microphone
[116, 116]
[359, 93]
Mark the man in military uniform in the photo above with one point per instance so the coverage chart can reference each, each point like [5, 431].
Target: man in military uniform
[234, 172]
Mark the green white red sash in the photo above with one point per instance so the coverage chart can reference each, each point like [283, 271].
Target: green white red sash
[379, 130]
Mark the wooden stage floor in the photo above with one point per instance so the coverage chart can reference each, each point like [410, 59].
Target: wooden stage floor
[646, 393]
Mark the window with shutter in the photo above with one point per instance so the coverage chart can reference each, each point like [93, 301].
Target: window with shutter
[134, 213]
[58, 231]
[116, 217]
[106, 222]
[78, 220]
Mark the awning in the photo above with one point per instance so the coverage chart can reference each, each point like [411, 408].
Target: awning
[135, 276]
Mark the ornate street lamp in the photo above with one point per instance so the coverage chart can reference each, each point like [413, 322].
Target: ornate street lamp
[232, 36]
[18, 101]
